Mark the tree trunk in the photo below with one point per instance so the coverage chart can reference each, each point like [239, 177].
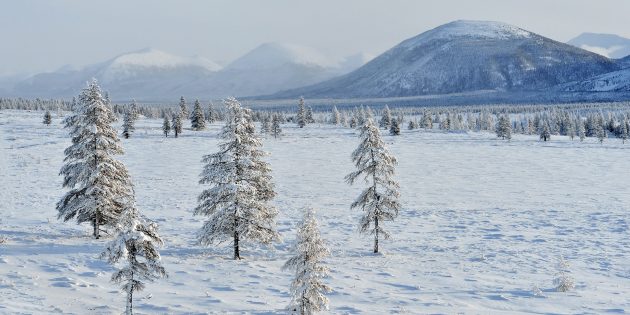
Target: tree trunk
[129, 309]
[376, 235]
[237, 254]
[96, 226]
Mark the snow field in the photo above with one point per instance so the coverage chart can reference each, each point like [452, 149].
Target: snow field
[483, 222]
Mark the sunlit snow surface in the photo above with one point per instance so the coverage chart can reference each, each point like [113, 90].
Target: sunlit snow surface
[483, 222]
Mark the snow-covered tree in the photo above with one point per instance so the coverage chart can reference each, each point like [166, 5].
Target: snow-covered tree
[47, 118]
[412, 125]
[563, 280]
[177, 124]
[183, 108]
[212, 115]
[335, 116]
[600, 132]
[394, 128]
[504, 129]
[197, 119]
[100, 187]
[128, 124]
[166, 126]
[386, 118]
[301, 114]
[265, 125]
[134, 248]
[545, 133]
[307, 288]
[276, 130]
[237, 203]
[581, 131]
[375, 164]
[309, 115]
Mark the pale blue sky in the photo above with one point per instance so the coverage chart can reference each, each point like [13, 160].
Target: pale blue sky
[47, 34]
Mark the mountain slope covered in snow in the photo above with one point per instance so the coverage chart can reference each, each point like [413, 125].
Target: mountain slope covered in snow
[464, 56]
[138, 74]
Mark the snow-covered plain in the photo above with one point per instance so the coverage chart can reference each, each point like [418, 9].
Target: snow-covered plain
[482, 224]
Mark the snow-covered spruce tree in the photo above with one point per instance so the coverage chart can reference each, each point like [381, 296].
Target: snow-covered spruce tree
[600, 132]
[177, 124]
[197, 119]
[386, 118]
[563, 280]
[166, 126]
[100, 187]
[335, 118]
[135, 248]
[375, 164]
[183, 108]
[237, 203]
[412, 125]
[47, 118]
[300, 118]
[265, 125]
[545, 133]
[212, 115]
[128, 124]
[309, 115]
[504, 129]
[307, 289]
[394, 128]
[276, 130]
[581, 131]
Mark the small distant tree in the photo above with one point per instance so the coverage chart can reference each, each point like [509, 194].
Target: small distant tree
[212, 115]
[503, 128]
[301, 119]
[128, 124]
[336, 116]
[237, 203]
[309, 115]
[182, 107]
[545, 134]
[197, 119]
[177, 124]
[412, 125]
[625, 125]
[375, 164]
[386, 118]
[47, 118]
[166, 126]
[276, 130]
[394, 128]
[427, 121]
[353, 122]
[265, 124]
[135, 248]
[307, 289]
[600, 132]
[581, 131]
[563, 281]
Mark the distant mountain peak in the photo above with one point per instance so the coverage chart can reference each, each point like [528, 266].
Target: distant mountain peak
[150, 57]
[608, 45]
[274, 54]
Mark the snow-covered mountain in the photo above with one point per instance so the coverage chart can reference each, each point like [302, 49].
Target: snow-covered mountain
[154, 75]
[141, 74]
[269, 68]
[464, 56]
[616, 81]
[609, 45]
